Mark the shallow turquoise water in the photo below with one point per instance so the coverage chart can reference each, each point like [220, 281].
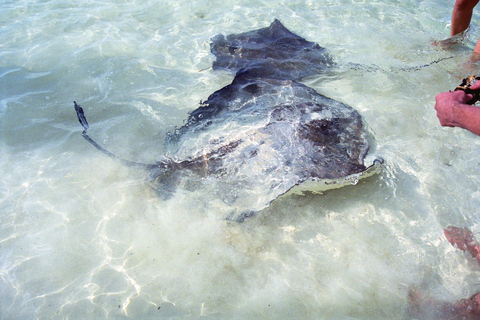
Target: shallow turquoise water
[82, 236]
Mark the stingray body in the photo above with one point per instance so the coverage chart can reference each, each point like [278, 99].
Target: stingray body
[265, 134]
[270, 52]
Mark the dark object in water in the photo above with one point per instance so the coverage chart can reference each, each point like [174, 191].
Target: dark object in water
[265, 134]
[465, 86]
[270, 52]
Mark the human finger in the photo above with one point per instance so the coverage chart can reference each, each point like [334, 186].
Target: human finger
[475, 86]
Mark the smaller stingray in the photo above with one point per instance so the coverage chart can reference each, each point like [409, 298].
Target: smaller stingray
[270, 52]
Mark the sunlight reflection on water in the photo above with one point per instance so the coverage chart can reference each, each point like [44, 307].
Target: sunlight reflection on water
[81, 236]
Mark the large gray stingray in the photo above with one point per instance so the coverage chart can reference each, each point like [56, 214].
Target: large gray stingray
[265, 134]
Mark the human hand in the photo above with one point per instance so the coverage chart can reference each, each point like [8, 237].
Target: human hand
[447, 103]
[474, 90]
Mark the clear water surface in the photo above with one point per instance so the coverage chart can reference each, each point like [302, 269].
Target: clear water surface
[84, 237]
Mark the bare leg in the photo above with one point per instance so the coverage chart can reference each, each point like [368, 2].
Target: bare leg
[421, 307]
[424, 307]
[476, 51]
[461, 16]
[468, 308]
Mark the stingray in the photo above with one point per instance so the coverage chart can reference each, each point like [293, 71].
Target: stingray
[264, 135]
[270, 52]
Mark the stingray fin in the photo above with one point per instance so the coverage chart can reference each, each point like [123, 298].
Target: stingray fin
[319, 186]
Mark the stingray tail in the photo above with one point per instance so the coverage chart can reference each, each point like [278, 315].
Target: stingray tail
[375, 68]
[81, 116]
[84, 123]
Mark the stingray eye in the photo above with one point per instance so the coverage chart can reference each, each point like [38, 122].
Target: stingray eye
[252, 88]
[232, 49]
[325, 125]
